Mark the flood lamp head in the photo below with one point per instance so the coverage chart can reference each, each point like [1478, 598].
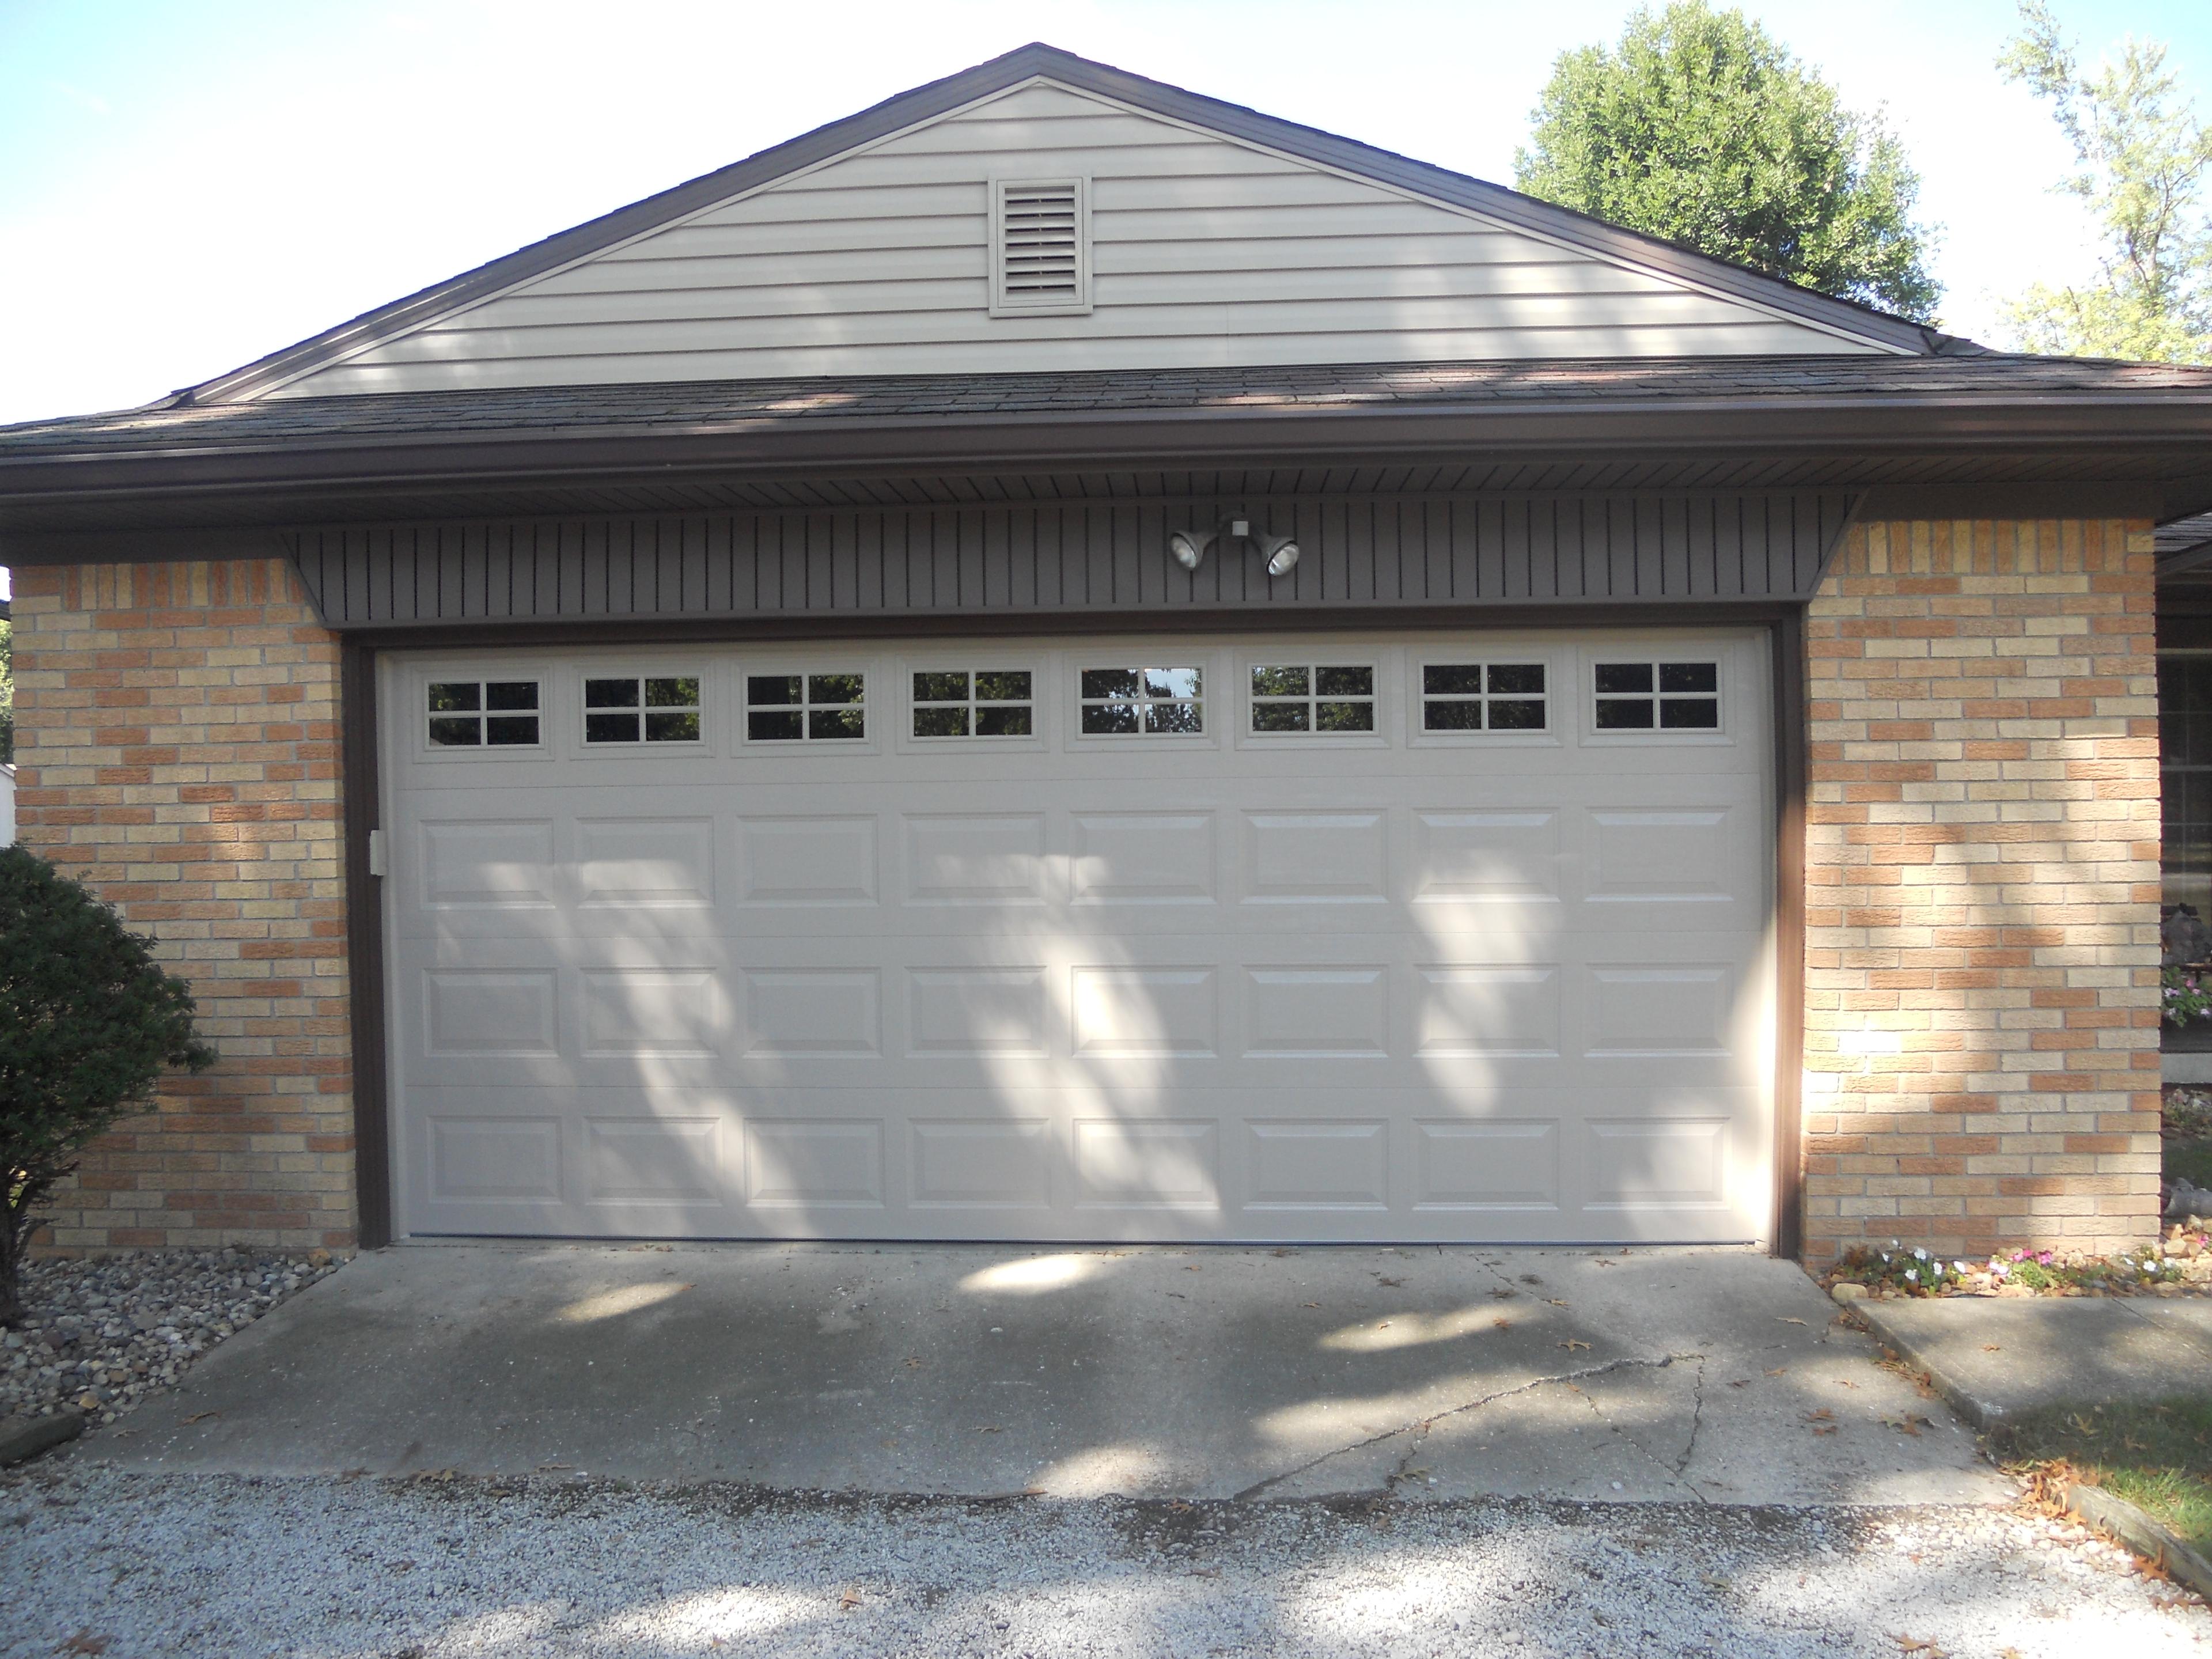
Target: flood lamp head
[1281, 552]
[1188, 546]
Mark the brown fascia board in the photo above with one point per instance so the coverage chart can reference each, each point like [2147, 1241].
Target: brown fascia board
[1036, 61]
[2078, 428]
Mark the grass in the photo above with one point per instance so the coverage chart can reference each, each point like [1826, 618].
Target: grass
[2158, 1455]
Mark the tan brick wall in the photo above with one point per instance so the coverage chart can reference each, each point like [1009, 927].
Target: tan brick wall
[178, 751]
[1981, 890]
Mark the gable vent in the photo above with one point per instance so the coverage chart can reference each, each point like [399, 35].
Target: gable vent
[1040, 247]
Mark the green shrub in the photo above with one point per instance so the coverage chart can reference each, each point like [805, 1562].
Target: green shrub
[87, 1024]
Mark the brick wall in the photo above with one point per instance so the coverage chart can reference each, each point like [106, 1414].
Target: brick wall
[1981, 904]
[178, 751]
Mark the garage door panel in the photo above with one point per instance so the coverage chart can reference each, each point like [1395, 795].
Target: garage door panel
[1089, 989]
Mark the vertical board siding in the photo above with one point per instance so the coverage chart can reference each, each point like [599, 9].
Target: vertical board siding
[1363, 553]
[1206, 251]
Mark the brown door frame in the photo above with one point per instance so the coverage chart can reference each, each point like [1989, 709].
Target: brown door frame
[360, 783]
[1792, 762]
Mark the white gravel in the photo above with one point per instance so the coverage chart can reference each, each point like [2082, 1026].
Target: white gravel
[106, 1331]
[220, 1565]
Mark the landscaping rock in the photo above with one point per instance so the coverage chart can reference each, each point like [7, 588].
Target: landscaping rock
[104, 1332]
[2187, 1201]
[27, 1436]
[2183, 938]
[1847, 1291]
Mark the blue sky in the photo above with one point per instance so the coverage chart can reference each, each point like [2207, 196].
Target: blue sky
[186, 185]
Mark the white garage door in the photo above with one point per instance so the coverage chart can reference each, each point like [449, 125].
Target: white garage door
[1442, 936]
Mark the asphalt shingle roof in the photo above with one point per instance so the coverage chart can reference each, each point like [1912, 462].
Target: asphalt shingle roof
[1994, 379]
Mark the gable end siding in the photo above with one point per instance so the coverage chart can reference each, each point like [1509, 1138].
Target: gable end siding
[1206, 251]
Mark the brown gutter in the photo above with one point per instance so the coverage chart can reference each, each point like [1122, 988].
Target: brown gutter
[1862, 429]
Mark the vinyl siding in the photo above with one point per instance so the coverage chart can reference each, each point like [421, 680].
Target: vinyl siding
[1206, 251]
[1068, 560]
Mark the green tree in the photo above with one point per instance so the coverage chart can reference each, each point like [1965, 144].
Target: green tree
[1702, 128]
[2141, 156]
[89, 1021]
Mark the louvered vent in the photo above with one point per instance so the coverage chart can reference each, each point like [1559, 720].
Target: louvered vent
[1040, 252]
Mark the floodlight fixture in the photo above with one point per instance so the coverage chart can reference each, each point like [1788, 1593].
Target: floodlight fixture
[1189, 546]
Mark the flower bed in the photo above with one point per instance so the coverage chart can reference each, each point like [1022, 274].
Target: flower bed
[2179, 1264]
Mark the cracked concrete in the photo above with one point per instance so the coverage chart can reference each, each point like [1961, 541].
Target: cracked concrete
[1681, 1376]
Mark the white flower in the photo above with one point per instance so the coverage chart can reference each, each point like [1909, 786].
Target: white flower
[1920, 1255]
[1962, 1266]
[1914, 1274]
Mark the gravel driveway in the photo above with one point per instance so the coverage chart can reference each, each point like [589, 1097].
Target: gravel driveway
[94, 1560]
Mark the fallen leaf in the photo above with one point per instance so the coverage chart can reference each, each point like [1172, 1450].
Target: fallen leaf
[1826, 1428]
[1992, 1347]
[1570, 1344]
[1501, 1324]
[1032, 1491]
[1384, 1326]
[1206, 1572]
[1914, 1644]
[1740, 1382]
[888, 1444]
[1504, 1293]
[1390, 1284]
[1792, 1321]
[1190, 1270]
[1282, 1253]
[914, 1364]
[850, 1599]
[1778, 1371]
[1180, 1506]
[1555, 1302]
[1313, 1305]
[202, 1417]
[85, 1642]
[1819, 1416]
[988, 1428]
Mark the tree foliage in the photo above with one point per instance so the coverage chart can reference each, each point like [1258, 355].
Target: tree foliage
[1701, 128]
[89, 1021]
[2141, 158]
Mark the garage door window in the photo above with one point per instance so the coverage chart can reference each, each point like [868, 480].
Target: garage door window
[664, 709]
[1142, 702]
[805, 707]
[984, 703]
[1658, 696]
[483, 713]
[1483, 697]
[1313, 698]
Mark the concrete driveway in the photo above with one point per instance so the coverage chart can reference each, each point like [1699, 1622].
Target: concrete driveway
[1660, 1375]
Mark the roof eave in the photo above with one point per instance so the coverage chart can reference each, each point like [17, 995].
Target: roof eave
[1868, 428]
